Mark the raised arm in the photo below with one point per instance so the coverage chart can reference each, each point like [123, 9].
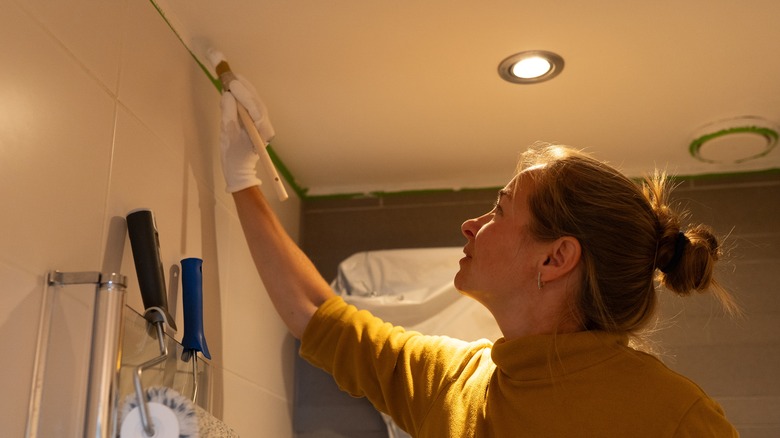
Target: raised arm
[295, 286]
[293, 283]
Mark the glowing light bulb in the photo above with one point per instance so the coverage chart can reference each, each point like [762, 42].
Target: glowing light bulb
[532, 67]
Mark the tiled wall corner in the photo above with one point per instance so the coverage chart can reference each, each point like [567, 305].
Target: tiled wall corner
[103, 112]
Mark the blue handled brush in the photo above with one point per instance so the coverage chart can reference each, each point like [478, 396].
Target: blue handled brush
[192, 299]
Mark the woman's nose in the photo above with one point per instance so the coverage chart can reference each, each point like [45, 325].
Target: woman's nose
[470, 227]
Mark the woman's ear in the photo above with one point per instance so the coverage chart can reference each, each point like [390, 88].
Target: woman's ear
[563, 257]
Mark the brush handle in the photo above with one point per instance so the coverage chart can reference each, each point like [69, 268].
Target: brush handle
[145, 243]
[265, 158]
[226, 76]
[192, 298]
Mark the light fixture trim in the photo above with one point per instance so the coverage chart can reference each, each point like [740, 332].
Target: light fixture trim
[506, 66]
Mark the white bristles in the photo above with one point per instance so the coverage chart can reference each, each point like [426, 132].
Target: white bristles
[170, 412]
[215, 57]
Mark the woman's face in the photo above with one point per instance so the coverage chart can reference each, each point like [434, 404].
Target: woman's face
[500, 256]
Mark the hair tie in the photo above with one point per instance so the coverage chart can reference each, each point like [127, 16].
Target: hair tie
[679, 249]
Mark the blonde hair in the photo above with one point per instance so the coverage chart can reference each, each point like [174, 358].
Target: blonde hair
[628, 233]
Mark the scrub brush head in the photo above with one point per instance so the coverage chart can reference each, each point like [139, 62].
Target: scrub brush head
[172, 415]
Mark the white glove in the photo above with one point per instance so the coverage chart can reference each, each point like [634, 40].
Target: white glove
[239, 157]
[246, 94]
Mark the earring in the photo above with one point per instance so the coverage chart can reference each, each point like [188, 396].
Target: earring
[539, 283]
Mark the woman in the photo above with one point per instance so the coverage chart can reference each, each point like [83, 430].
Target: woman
[565, 262]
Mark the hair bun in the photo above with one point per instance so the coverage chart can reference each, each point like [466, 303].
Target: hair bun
[692, 261]
[680, 242]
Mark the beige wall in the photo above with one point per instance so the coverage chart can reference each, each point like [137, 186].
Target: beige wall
[102, 110]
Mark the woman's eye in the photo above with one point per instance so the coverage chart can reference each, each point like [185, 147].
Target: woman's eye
[497, 209]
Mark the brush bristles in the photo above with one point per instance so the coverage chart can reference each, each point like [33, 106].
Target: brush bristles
[182, 407]
[215, 57]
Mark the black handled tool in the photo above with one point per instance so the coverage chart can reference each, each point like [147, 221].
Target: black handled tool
[145, 243]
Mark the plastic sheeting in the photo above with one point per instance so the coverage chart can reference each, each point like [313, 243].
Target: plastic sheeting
[413, 288]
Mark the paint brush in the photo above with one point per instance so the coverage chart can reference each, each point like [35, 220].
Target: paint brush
[226, 77]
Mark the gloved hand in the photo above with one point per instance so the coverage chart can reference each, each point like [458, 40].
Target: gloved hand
[239, 156]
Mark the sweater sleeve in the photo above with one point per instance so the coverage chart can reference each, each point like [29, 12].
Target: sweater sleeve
[400, 372]
[705, 419]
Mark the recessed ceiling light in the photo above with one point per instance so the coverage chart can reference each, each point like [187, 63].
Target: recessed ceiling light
[530, 67]
[734, 140]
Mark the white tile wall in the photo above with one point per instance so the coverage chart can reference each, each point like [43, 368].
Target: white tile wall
[736, 360]
[104, 111]
[91, 31]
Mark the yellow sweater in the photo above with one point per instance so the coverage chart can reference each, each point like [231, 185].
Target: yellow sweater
[586, 384]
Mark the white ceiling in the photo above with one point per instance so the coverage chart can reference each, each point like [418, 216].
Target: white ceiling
[404, 95]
